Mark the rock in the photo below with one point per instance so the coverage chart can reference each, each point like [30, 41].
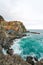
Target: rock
[10, 51]
[13, 25]
[35, 32]
[36, 59]
[7, 43]
[29, 60]
[12, 60]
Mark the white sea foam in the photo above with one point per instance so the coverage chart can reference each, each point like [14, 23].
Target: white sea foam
[16, 47]
[4, 51]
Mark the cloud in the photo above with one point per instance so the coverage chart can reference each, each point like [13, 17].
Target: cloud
[28, 11]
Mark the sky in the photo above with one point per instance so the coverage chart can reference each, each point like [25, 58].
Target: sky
[30, 12]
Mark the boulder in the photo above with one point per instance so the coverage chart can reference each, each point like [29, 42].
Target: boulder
[36, 59]
[29, 60]
[10, 51]
[32, 60]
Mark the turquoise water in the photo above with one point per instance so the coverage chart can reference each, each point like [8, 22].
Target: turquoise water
[31, 45]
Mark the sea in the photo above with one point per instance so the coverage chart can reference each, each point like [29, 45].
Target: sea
[30, 45]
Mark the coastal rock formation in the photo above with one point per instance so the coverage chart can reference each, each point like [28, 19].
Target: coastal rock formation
[10, 51]
[29, 60]
[32, 60]
[12, 25]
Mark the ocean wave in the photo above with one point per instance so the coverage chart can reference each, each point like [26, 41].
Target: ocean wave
[16, 47]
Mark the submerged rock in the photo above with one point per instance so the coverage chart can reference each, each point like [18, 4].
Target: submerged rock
[35, 32]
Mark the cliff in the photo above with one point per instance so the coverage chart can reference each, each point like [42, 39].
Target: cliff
[12, 25]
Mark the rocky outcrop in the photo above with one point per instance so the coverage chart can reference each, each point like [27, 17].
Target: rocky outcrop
[29, 60]
[10, 51]
[35, 32]
[12, 25]
[32, 60]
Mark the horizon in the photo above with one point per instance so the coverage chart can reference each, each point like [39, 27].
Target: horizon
[29, 12]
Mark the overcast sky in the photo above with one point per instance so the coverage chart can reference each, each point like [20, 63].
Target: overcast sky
[30, 12]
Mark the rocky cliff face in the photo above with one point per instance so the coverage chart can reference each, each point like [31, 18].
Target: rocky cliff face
[12, 25]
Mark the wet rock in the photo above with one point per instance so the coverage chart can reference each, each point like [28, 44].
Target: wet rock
[29, 57]
[29, 60]
[36, 59]
[10, 51]
[6, 43]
